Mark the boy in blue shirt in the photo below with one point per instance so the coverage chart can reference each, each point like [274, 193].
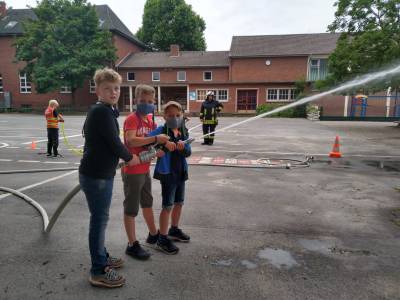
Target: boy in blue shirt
[172, 171]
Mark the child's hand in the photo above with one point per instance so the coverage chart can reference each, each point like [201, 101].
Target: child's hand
[180, 146]
[160, 153]
[162, 139]
[170, 146]
[134, 161]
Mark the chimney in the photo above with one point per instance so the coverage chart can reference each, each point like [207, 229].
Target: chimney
[3, 9]
[174, 50]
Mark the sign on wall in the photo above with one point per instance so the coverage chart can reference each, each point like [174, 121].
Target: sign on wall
[192, 96]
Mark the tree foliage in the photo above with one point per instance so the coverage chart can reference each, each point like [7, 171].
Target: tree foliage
[167, 22]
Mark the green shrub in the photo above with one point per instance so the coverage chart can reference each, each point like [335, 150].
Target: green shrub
[294, 112]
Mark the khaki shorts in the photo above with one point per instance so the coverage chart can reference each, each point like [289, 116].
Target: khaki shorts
[137, 190]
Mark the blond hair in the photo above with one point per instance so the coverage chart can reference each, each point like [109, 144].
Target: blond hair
[144, 89]
[53, 103]
[106, 75]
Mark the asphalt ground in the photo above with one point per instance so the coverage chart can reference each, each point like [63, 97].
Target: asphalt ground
[329, 231]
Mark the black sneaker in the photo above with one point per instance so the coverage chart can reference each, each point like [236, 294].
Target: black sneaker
[136, 251]
[177, 234]
[152, 239]
[165, 245]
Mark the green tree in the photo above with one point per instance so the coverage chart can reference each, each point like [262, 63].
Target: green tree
[64, 45]
[167, 22]
[370, 39]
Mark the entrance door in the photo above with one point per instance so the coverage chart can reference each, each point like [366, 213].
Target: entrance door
[246, 100]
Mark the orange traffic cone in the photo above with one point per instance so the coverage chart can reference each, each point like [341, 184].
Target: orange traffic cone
[33, 145]
[335, 153]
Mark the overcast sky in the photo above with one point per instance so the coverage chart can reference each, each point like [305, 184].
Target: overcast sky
[234, 17]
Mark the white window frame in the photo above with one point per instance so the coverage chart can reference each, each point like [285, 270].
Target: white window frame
[92, 86]
[26, 87]
[127, 76]
[317, 58]
[204, 76]
[214, 90]
[152, 76]
[177, 75]
[65, 90]
[278, 92]
[1, 84]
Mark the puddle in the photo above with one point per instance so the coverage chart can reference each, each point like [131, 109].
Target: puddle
[248, 264]
[223, 263]
[316, 245]
[278, 258]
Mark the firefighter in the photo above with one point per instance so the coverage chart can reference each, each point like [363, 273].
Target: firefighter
[52, 119]
[208, 116]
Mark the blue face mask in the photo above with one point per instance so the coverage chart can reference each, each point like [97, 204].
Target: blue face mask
[174, 122]
[145, 108]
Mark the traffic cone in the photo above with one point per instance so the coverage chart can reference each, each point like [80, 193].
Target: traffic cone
[335, 153]
[33, 145]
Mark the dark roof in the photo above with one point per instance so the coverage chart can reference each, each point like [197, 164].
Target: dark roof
[11, 24]
[283, 45]
[185, 59]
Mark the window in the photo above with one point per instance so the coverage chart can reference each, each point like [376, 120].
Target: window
[281, 95]
[25, 87]
[181, 76]
[65, 90]
[293, 94]
[284, 94]
[220, 95]
[318, 69]
[201, 95]
[155, 76]
[272, 94]
[92, 86]
[207, 76]
[130, 76]
[1, 84]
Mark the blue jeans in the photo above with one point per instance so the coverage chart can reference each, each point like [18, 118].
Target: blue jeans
[172, 193]
[98, 194]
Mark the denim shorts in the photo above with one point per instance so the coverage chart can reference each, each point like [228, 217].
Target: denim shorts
[172, 193]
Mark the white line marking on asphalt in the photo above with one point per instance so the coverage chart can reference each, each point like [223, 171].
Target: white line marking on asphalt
[57, 162]
[39, 183]
[45, 140]
[3, 145]
[3, 159]
[29, 161]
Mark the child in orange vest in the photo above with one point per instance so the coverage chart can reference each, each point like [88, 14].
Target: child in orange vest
[52, 119]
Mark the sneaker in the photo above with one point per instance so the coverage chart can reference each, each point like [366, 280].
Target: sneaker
[167, 246]
[114, 262]
[136, 251]
[48, 154]
[152, 239]
[177, 234]
[109, 279]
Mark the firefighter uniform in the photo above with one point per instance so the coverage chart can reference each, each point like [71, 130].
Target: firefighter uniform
[52, 119]
[209, 117]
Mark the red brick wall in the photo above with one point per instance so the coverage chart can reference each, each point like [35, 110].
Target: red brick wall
[287, 69]
[124, 47]
[10, 74]
[169, 76]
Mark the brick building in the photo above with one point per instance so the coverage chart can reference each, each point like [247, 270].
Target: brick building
[256, 70]
[16, 86]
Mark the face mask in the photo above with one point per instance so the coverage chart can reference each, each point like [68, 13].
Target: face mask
[174, 122]
[145, 108]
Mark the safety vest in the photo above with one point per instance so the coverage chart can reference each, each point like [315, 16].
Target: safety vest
[52, 121]
[209, 112]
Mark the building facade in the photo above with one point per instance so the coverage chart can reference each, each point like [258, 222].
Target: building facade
[15, 87]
